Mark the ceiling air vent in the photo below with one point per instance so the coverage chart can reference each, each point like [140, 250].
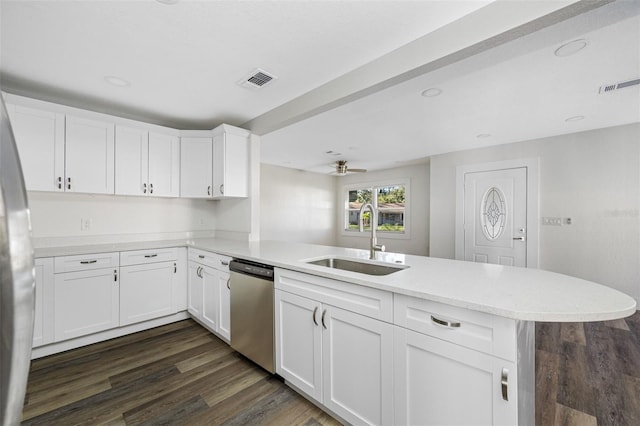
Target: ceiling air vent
[616, 86]
[257, 79]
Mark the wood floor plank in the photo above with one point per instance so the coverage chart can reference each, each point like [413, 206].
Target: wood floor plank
[547, 366]
[566, 416]
[619, 324]
[548, 336]
[574, 386]
[572, 332]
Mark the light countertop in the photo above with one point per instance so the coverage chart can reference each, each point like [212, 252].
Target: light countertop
[518, 293]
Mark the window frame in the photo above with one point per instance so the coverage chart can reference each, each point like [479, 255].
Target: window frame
[375, 185]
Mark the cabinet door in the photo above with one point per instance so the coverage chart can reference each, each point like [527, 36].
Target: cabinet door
[89, 156]
[40, 140]
[299, 342]
[433, 377]
[164, 165]
[211, 297]
[195, 290]
[224, 305]
[180, 284]
[146, 291]
[43, 319]
[131, 161]
[196, 167]
[358, 367]
[85, 302]
[230, 166]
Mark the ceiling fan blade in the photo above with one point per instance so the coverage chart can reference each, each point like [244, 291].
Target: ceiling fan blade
[357, 170]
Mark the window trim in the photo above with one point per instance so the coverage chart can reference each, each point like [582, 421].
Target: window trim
[344, 202]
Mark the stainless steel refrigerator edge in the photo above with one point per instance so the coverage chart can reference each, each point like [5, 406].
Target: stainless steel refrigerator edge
[16, 279]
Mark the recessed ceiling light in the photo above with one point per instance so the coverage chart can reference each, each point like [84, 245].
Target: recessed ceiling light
[430, 93]
[571, 47]
[116, 81]
[575, 118]
[483, 136]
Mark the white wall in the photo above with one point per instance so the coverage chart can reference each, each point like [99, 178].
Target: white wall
[297, 206]
[592, 177]
[115, 218]
[417, 241]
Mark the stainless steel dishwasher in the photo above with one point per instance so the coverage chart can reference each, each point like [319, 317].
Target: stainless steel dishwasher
[252, 305]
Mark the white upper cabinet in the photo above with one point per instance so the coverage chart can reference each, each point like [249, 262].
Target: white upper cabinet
[89, 148]
[230, 162]
[196, 167]
[146, 163]
[40, 139]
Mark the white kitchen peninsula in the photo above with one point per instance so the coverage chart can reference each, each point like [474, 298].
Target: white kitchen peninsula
[439, 340]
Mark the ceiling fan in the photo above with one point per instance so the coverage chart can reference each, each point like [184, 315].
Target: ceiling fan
[342, 169]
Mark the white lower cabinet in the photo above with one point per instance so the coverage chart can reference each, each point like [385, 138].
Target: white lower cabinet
[85, 302]
[340, 358]
[209, 298]
[440, 383]
[43, 318]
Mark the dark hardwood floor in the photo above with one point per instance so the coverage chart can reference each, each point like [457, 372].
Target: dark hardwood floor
[586, 374]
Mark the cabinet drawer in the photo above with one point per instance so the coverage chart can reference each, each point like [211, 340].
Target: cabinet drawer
[367, 301]
[476, 330]
[86, 262]
[215, 260]
[139, 257]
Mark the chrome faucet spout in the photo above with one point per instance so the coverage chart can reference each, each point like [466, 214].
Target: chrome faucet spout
[374, 246]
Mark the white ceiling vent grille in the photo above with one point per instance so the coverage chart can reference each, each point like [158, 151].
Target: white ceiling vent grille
[616, 86]
[257, 79]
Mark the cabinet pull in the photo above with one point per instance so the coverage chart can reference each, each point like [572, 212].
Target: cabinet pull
[445, 323]
[59, 182]
[115, 275]
[229, 283]
[209, 190]
[200, 272]
[175, 268]
[151, 188]
[68, 183]
[322, 319]
[201, 256]
[224, 263]
[87, 262]
[151, 255]
[144, 188]
[222, 189]
[504, 382]
[315, 310]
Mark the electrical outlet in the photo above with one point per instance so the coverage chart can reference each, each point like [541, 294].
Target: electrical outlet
[85, 224]
[552, 221]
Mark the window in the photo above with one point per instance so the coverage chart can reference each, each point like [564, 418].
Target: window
[389, 200]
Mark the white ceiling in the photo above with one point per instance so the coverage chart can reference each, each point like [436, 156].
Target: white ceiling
[183, 62]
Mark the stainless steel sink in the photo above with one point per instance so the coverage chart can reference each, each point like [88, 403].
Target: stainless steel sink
[357, 266]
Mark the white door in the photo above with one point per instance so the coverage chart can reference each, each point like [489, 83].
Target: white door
[196, 163]
[89, 156]
[357, 370]
[299, 342]
[432, 377]
[495, 217]
[164, 165]
[224, 307]
[131, 161]
[40, 140]
[210, 301]
[43, 320]
[146, 292]
[194, 291]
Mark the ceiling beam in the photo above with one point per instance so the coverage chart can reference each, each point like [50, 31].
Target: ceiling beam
[495, 24]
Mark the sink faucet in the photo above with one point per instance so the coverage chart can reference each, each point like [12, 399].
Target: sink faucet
[374, 224]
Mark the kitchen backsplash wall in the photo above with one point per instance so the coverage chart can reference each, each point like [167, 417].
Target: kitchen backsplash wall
[592, 177]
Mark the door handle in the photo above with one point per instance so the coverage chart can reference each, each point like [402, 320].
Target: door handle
[144, 188]
[504, 383]
[229, 283]
[87, 262]
[175, 267]
[519, 239]
[59, 182]
[209, 190]
[150, 255]
[115, 275]
[151, 188]
[322, 319]
[315, 311]
[222, 189]
[68, 183]
[445, 323]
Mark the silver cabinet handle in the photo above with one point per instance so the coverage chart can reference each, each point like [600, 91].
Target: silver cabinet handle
[151, 255]
[445, 323]
[504, 382]
[59, 182]
[224, 263]
[315, 311]
[144, 188]
[322, 319]
[209, 190]
[87, 262]
[68, 183]
[115, 275]
[229, 283]
[151, 188]
[175, 268]
[201, 256]
[519, 238]
[222, 189]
